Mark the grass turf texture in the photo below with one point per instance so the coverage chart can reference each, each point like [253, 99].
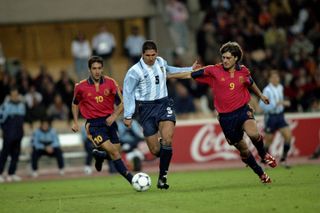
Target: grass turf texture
[232, 190]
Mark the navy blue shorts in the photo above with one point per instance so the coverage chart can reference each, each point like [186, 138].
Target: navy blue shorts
[101, 132]
[274, 122]
[152, 112]
[232, 123]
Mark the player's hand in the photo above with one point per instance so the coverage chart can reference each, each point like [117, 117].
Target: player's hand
[196, 65]
[75, 127]
[265, 99]
[251, 108]
[127, 122]
[111, 119]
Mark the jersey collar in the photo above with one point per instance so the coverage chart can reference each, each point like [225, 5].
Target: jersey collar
[237, 67]
[90, 80]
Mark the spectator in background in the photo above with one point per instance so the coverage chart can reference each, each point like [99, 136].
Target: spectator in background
[64, 87]
[274, 115]
[35, 109]
[2, 59]
[183, 101]
[58, 110]
[81, 51]
[103, 45]
[178, 17]
[12, 114]
[133, 45]
[45, 141]
[5, 83]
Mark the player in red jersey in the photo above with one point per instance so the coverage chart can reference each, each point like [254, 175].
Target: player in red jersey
[95, 97]
[230, 82]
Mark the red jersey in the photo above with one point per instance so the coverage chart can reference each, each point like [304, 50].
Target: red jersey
[96, 102]
[230, 90]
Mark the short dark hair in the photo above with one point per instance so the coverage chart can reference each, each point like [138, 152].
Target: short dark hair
[94, 59]
[273, 72]
[232, 47]
[149, 45]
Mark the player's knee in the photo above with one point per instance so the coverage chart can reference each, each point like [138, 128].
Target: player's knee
[255, 137]
[114, 155]
[154, 150]
[166, 141]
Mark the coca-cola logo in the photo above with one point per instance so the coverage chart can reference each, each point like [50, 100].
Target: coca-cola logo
[207, 145]
[210, 144]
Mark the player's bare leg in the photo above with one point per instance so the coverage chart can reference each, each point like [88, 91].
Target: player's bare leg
[153, 144]
[250, 127]
[286, 133]
[247, 158]
[113, 151]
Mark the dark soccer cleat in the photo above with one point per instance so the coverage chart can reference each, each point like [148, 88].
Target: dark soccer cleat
[162, 183]
[99, 160]
[271, 161]
[284, 163]
[265, 178]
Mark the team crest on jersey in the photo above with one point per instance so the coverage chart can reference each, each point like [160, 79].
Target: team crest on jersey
[222, 79]
[162, 69]
[89, 94]
[241, 80]
[106, 92]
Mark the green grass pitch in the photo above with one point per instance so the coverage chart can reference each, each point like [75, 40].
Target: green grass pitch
[230, 190]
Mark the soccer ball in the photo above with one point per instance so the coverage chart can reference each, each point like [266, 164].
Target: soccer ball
[141, 182]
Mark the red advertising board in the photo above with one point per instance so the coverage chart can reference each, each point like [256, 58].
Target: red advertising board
[203, 140]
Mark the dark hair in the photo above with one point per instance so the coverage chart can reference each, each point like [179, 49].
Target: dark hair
[47, 119]
[273, 72]
[149, 45]
[232, 47]
[94, 59]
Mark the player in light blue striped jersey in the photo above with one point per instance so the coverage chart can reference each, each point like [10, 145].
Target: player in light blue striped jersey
[274, 116]
[145, 91]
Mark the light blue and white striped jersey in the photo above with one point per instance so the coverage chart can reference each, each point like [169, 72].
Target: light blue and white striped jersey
[275, 94]
[147, 83]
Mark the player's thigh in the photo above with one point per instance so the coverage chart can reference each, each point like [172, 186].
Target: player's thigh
[153, 143]
[250, 127]
[286, 133]
[166, 129]
[268, 138]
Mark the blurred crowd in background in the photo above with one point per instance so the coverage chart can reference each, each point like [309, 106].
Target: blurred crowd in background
[282, 35]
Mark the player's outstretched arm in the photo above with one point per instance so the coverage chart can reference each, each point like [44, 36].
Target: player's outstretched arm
[258, 92]
[182, 75]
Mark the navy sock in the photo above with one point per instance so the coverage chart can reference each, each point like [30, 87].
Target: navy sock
[165, 158]
[252, 163]
[286, 148]
[122, 169]
[258, 143]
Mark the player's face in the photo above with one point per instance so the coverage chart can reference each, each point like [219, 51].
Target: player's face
[96, 71]
[274, 79]
[149, 57]
[228, 61]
